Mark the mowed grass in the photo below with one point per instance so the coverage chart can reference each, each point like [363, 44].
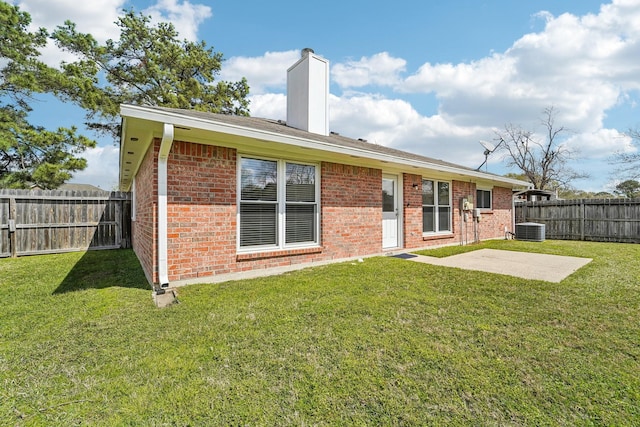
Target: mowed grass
[382, 342]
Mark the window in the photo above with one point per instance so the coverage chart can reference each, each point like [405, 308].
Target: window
[436, 206]
[483, 198]
[278, 204]
[301, 206]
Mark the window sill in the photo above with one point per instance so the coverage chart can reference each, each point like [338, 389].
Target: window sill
[252, 256]
[427, 237]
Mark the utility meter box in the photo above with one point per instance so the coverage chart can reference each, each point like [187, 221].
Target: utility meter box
[467, 204]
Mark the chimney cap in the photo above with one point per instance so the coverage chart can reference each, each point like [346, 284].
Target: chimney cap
[306, 51]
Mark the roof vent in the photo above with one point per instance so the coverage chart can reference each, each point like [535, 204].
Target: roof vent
[306, 51]
[530, 231]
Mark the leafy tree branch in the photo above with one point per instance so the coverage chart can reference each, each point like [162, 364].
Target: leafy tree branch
[30, 155]
[147, 65]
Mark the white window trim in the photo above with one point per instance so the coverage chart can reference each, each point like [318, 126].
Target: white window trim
[281, 206]
[490, 190]
[436, 206]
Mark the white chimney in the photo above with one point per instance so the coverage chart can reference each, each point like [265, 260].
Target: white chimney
[308, 93]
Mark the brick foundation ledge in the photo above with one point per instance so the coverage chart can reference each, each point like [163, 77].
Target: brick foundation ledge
[278, 254]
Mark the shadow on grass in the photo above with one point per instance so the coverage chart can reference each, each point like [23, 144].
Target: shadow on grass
[104, 269]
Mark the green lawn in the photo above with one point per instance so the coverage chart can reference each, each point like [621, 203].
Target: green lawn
[383, 342]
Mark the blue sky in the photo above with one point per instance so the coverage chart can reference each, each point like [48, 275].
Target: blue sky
[431, 77]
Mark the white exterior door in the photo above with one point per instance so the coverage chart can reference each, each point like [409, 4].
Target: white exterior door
[389, 211]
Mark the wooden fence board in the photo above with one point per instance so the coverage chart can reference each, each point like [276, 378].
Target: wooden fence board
[600, 220]
[5, 249]
[50, 221]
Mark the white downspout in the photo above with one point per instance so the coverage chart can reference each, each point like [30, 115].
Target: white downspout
[163, 157]
[513, 214]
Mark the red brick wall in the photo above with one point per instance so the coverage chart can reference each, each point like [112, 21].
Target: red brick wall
[144, 228]
[202, 224]
[201, 215]
[351, 210]
[492, 223]
[463, 230]
[412, 214]
[201, 211]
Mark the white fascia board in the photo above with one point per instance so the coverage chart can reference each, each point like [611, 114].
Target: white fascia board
[123, 124]
[242, 131]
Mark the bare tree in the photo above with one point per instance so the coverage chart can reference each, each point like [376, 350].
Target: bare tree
[543, 161]
[629, 163]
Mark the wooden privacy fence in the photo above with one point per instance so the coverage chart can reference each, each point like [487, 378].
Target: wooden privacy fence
[52, 221]
[599, 220]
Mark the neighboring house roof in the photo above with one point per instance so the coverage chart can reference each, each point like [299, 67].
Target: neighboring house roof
[525, 195]
[142, 124]
[71, 187]
[79, 187]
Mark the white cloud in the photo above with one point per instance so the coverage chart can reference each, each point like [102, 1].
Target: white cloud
[395, 123]
[268, 71]
[96, 17]
[601, 144]
[102, 167]
[581, 65]
[269, 105]
[486, 77]
[185, 16]
[379, 69]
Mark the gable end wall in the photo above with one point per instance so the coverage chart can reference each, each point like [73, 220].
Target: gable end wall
[144, 228]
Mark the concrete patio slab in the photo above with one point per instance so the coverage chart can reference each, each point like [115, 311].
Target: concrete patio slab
[550, 268]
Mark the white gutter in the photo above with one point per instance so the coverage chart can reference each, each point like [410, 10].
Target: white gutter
[163, 157]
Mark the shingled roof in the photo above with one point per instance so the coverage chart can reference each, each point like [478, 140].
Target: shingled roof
[280, 127]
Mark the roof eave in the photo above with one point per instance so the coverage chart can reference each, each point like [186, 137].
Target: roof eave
[150, 114]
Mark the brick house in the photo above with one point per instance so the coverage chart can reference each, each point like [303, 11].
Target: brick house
[218, 196]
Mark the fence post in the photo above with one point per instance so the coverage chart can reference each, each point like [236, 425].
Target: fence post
[13, 240]
[118, 215]
[582, 218]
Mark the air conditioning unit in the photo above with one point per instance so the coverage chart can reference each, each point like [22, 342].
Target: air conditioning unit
[530, 231]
